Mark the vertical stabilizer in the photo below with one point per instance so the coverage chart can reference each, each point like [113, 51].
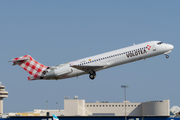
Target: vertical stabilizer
[34, 68]
[55, 117]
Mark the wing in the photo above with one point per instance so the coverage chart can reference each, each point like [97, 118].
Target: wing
[87, 68]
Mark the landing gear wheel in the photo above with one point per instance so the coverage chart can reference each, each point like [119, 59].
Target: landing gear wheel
[92, 74]
[167, 56]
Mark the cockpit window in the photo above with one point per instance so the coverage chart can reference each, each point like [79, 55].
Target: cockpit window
[159, 43]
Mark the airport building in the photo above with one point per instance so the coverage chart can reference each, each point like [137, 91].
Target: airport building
[78, 107]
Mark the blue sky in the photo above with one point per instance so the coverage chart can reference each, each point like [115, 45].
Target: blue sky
[55, 32]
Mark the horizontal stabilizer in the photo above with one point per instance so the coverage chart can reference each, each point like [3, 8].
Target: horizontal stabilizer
[19, 61]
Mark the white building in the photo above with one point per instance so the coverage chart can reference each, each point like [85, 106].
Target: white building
[76, 107]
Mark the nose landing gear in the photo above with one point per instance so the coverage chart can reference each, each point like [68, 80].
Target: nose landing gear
[167, 56]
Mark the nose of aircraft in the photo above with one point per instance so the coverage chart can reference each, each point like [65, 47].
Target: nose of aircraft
[170, 46]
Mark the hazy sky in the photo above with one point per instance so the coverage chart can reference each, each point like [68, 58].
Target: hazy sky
[59, 31]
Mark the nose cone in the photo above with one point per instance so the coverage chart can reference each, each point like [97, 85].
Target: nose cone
[171, 47]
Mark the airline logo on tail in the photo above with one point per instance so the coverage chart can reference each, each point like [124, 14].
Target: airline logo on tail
[55, 117]
[34, 68]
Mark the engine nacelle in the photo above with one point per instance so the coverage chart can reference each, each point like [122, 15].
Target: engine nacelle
[57, 72]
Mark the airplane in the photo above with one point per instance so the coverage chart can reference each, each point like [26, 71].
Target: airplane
[55, 117]
[90, 65]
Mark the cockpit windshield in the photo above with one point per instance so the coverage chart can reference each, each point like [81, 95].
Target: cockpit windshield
[159, 43]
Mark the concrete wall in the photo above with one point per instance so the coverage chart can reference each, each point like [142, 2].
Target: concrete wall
[73, 107]
[118, 109]
[156, 108]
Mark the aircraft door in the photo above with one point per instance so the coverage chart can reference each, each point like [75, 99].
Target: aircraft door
[154, 48]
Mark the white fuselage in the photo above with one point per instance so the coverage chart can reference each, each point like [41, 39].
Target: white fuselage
[110, 59]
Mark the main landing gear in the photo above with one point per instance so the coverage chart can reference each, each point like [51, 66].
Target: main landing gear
[167, 56]
[92, 74]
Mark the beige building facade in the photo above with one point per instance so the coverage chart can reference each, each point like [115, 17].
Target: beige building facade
[76, 107]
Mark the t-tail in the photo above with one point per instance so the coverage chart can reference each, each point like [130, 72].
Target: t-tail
[34, 68]
[55, 117]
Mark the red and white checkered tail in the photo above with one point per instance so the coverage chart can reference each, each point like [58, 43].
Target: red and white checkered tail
[34, 68]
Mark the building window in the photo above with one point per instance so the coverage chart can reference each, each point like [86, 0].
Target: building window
[93, 105]
[112, 105]
[96, 105]
[109, 105]
[128, 105]
[131, 105]
[99, 105]
[122, 105]
[106, 105]
[103, 105]
[90, 105]
[87, 105]
[135, 105]
[116, 105]
[119, 105]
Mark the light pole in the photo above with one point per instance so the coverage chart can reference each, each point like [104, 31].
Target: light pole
[57, 105]
[125, 86]
[47, 104]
